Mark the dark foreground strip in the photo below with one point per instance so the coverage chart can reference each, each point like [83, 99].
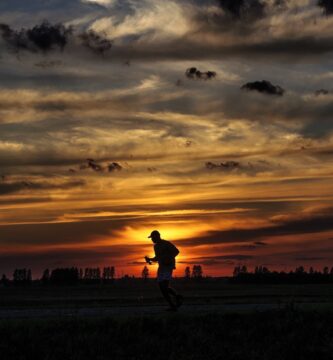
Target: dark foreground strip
[274, 334]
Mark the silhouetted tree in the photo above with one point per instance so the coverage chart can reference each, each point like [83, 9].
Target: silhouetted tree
[113, 272]
[236, 270]
[187, 272]
[145, 273]
[46, 276]
[299, 276]
[108, 273]
[4, 280]
[300, 270]
[92, 275]
[197, 272]
[64, 276]
[29, 275]
[265, 270]
[244, 269]
[22, 276]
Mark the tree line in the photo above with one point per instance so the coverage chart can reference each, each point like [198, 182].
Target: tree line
[195, 273]
[262, 275]
[62, 276]
[96, 275]
[75, 275]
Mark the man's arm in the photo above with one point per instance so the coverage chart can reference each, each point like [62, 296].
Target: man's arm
[154, 259]
[150, 260]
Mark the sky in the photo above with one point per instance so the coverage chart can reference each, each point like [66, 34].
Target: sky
[210, 121]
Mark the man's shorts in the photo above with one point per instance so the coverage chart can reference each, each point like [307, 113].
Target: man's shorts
[164, 274]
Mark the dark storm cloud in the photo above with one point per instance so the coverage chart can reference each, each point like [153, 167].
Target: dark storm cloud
[95, 42]
[250, 9]
[91, 164]
[194, 73]
[309, 224]
[229, 16]
[250, 168]
[322, 92]
[94, 165]
[327, 6]
[44, 37]
[228, 165]
[13, 187]
[114, 167]
[264, 87]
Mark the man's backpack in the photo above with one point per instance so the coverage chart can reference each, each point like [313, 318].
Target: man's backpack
[169, 253]
[173, 250]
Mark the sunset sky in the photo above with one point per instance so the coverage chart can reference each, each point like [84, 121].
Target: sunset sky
[106, 133]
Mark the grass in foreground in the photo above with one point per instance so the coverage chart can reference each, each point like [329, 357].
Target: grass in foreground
[284, 335]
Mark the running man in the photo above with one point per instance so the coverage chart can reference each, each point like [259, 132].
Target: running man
[165, 255]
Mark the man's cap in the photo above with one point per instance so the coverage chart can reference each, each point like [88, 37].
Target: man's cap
[154, 233]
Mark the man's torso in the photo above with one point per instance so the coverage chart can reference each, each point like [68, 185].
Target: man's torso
[163, 250]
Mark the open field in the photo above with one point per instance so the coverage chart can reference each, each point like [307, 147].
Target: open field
[126, 320]
[139, 293]
[138, 298]
[272, 335]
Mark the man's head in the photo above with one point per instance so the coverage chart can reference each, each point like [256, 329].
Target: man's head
[154, 236]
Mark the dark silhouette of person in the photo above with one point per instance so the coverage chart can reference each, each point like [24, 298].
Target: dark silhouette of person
[165, 255]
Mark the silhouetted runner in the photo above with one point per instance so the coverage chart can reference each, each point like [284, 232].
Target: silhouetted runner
[165, 255]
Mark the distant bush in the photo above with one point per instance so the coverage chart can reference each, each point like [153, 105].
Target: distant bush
[262, 275]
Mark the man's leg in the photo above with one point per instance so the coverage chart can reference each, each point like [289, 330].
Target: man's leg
[178, 297]
[164, 287]
[172, 291]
